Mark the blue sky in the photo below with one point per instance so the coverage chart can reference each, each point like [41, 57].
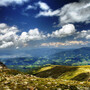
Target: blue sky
[44, 23]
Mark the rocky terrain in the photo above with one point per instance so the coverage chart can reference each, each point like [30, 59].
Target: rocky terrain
[15, 80]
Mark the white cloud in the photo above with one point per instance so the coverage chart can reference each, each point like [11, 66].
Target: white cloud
[9, 36]
[8, 2]
[6, 44]
[23, 37]
[88, 37]
[75, 12]
[30, 7]
[66, 30]
[45, 9]
[69, 30]
[2, 25]
[70, 13]
[43, 5]
[34, 34]
[83, 34]
[48, 13]
[67, 43]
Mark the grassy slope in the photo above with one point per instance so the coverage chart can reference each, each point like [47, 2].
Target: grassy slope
[14, 80]
[65, 72]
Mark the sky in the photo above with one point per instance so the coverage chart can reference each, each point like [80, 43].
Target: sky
[44, 23]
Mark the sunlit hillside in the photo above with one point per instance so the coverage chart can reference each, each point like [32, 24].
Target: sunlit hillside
[79, 73]
[58, 78]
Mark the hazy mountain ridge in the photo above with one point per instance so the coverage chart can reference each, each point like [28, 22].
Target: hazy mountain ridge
[70, 57]
[36, 52]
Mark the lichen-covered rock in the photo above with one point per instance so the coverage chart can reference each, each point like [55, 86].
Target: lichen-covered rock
[2, 65]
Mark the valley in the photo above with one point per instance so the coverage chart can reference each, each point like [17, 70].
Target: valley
[45, 57]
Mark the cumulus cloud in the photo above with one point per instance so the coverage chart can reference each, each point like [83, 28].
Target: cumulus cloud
[70, 13]
[8, 2]
[66, 30]
[75, 12]
[9, 36]
[6, 44]
[32, 34]
[69, 30]
[88, 37]
[67, 43]
[35, 34]
[83, 34]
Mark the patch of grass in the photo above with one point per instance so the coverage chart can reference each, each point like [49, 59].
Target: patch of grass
[14, 80]
[64, 72]
[82, 77]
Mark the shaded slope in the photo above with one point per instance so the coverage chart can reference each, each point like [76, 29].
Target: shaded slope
[65, 72]
[82, 77]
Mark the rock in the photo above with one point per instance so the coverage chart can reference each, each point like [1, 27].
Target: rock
[2, 65]
[31, 88]
[59, 89]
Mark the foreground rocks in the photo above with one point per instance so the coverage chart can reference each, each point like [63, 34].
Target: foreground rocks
[14, 80]
[30, 82]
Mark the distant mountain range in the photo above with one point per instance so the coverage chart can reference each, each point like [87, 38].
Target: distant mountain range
[36, 52]
[72, 57]
[41, 57]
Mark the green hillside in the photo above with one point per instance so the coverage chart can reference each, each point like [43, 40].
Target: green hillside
[70, 57]
[13, 80]
[74, 57]
[79, 73]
